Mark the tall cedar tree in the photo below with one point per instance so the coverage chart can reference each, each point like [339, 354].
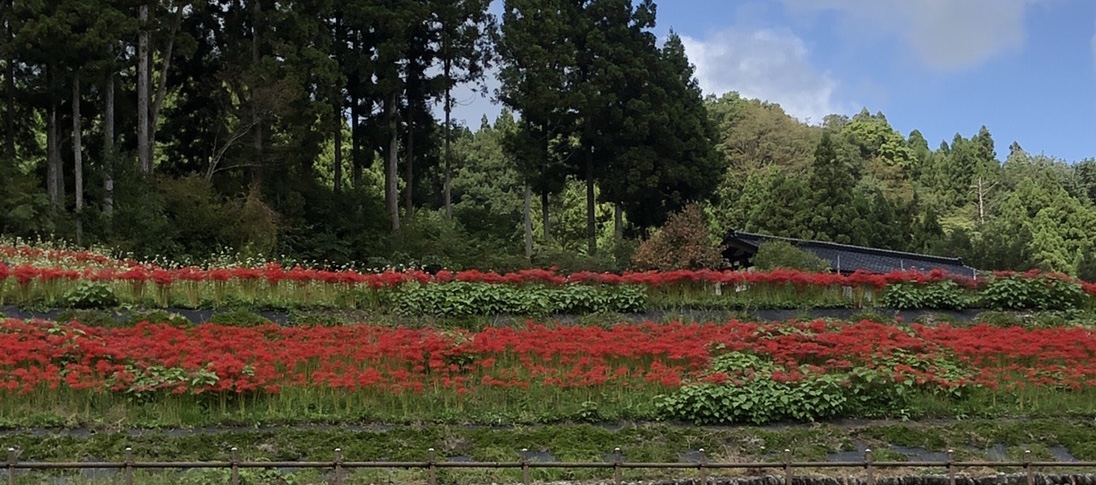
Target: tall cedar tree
[831, 185]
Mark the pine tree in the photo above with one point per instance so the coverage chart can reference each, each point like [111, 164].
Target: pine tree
[831, 184]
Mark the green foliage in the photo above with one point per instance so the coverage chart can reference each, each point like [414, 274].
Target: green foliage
[463, 299]
[782, 254]
[90, 294]
[239, 318]
[745, 388]
[831, 185]
[940, 295]
[245, 476]
[570, 261]
[156, 316]
[1041, 292]
[685, 242]
[756, 398]
[327, 318]
[247, 136]
[1039, 319]
[91, 318]
[758, 402]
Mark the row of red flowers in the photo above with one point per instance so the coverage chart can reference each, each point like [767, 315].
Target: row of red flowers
[53, 255]
[274, 274]
[36, 355]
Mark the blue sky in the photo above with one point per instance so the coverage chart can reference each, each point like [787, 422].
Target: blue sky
[1024, 68]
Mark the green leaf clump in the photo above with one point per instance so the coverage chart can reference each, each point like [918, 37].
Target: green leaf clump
[942, 295]
[1043, 292]
[91, 295]
[465, 299]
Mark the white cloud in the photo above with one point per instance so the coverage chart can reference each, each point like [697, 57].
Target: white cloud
[1093, 44]
[943, 34]
[765, 64]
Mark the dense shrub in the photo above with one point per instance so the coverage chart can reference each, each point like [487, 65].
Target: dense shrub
[90, 294]
[239, 318]
[773, 255]
[746, 388]
[684, 242]
[942, 295]
[1032, 292]
[463, 299]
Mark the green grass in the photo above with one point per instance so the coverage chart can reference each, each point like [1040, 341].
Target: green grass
[66, 408]
[568, 443]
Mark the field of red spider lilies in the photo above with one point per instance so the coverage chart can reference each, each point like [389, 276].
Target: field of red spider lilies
[54, 278]
[428, 373]
[529, 373]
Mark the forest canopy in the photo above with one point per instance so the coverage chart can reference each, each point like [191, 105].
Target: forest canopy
[322, 131]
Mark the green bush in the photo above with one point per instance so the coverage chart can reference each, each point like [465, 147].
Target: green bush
[1032, 293]
[569, 261]
[157, 316]
[756, 398]
[782, 254]
[239, 318]
[91, 318]
[751, 393]
[999, 319]
[940, 295]
[90, 294]
[1041, 319]
[757, 401]
[465, 299]
[684, 242]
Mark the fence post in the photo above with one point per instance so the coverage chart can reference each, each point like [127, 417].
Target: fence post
[338, 466]
[701, 462]
[788, 467]
[432, 469]
[951, 467]
[11, 466]
[869, 467]
[129, 465]
[1027, 468]
[235, 465]
[617, 460]
[525, 466]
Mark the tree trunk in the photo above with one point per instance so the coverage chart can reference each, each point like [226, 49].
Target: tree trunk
[391, 165]
[9, 122]
[544, 193]
[591, 228]
[78, 157]
[527, 221]
[161, 85]
[144, 152]
[448, 189]
[446, 73]
[618, 224]
[338, 143]
[981, 203]
[355, 144]
[55, 184]
[409, 168]
[257, 168]
[409, 163]
[108, 145]
[544, 215]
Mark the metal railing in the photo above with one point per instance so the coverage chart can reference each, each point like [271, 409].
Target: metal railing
[339, 465]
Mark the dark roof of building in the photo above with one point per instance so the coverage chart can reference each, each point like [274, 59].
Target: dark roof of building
[847, 258]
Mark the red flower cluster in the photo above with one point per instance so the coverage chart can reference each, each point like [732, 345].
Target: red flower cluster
[273, 274]
[218, 359]
[8, 252]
